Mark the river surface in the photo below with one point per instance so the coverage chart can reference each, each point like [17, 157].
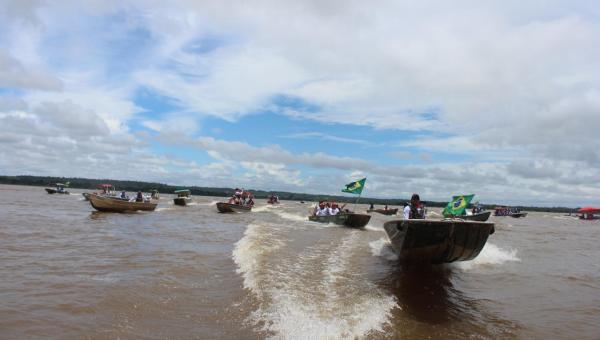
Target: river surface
[69, 272]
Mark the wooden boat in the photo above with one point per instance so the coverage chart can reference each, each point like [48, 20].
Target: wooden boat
[384, 211]
[435, 241]
[348, 219]
[518, 214]
[229, 208]
[481, 217]
[114, 204]
[184, 197]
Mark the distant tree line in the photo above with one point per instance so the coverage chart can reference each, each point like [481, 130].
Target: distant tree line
[92, 184]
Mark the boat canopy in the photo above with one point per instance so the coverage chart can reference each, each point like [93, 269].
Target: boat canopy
[103, 186]
[59, 184]
[181, 191]
[589, 210]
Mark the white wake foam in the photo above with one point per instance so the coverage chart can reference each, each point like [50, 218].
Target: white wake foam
[263, 208]
[383, 248]
[312, 295]
[252, 252]
[373, 228]
[491, 255]
[291, 217]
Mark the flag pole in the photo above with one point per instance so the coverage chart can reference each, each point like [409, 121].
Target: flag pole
[356, 202]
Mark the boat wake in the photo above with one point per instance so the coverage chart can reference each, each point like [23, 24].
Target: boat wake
[491, 255]
[291, 217]
[263, 208]
[383, 248]
[373, 228]
[208, 204]
[317, 293]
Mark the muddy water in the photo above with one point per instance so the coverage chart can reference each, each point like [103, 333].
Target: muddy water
[190, 272]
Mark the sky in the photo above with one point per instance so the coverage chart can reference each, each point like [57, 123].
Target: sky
[500, 99]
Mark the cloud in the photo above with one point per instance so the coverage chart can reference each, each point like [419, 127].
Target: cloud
[323, 136]
[509, 92]
[13, 74]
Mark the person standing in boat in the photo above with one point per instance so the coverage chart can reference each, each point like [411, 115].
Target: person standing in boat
[139, 197]
[371, 207]
[414, 210]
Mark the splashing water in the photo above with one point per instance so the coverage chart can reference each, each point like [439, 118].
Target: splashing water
[491, 255]
[383, 248]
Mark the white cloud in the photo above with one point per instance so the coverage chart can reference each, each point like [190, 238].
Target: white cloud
[513, 87]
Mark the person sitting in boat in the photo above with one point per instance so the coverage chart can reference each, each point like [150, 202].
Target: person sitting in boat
[385, 208]
[371, 207]
[414, 210]
[322, 210]
[139, 197]
[334, 209]
[250, 201]
[123, 194]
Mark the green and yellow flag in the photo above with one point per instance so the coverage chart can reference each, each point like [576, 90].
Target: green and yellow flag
[355, 187]
[457, 206]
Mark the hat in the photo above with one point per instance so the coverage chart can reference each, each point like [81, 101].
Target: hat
[415, 197]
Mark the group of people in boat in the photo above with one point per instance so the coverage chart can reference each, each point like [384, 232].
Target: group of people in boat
[372, 207]
[506, 211]
[139, 197]
[273, 199]
[242, 197]
[327, 209]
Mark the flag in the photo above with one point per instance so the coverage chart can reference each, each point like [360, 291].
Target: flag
[355, 187]
[457, 206]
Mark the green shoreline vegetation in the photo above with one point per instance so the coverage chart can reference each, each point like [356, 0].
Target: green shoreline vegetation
[92, 184]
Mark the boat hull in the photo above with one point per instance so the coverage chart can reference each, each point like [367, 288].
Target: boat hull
[518, 215]
[435, 242]
[351, 220]
[384, 211]
[481, 217]
[230, 208]
[112, 204]
[54, 191]
[86, 195]
[182, 201]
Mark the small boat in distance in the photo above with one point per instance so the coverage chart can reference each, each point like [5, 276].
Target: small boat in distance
[184, 197]
[589, 213]
[509, 211]
[481, 217]
[273, 199]
[518, 214]
[58, 189]
[116, 204]
[345, 218]
[230, 208]
[384, 211]
[241, 201]
[435, 242]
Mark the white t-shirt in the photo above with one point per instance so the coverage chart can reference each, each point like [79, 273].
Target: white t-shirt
[335, 211]
[406, 212]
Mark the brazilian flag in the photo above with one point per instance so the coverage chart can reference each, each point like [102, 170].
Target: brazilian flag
[457, 206]
[355, 187]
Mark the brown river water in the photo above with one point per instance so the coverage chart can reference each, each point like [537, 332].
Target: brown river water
[69, 272]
